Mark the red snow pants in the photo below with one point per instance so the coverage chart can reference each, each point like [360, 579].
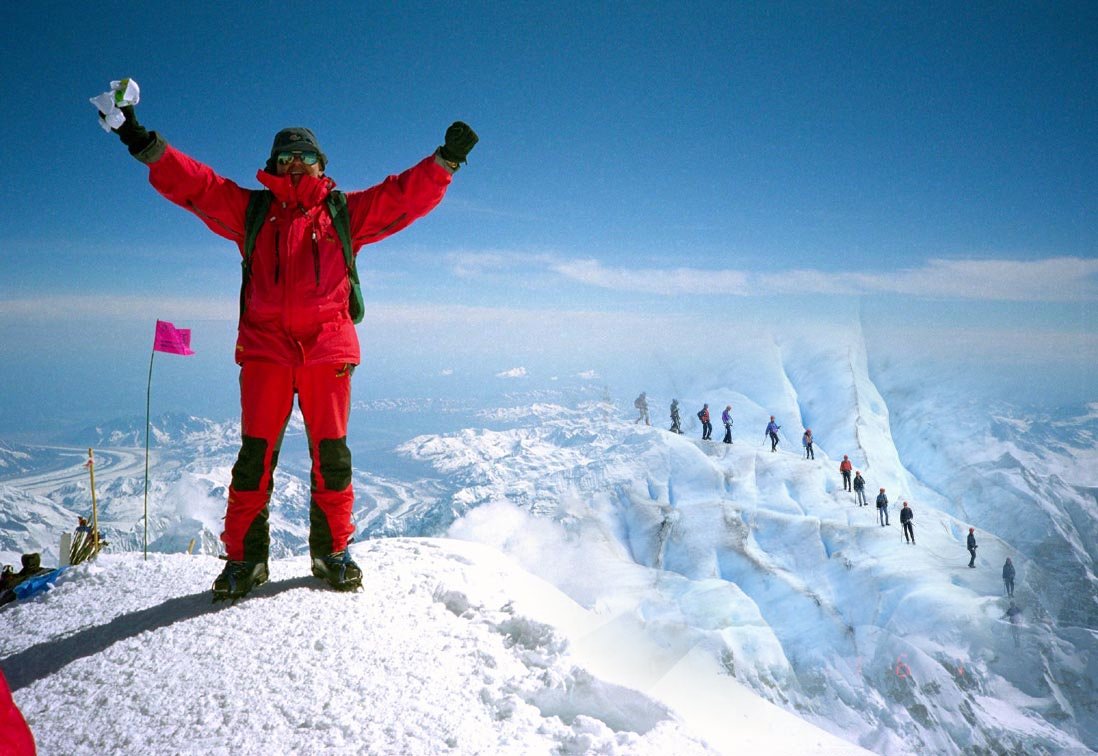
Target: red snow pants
[266, 401]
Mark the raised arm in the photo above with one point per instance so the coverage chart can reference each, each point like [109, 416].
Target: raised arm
[220, 203]
[399, 200]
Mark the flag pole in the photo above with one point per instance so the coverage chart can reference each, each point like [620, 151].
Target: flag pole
[148, 405]
[172, 340]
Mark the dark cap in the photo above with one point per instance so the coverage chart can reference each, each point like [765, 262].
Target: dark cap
[295, 139]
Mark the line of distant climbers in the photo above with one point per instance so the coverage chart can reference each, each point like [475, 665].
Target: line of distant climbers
[772, 428]
[856, 484]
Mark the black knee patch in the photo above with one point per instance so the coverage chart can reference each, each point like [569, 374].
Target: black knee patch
[248, 470]
[257, 541]
[335, 463]
[320, 534]
[274, 464]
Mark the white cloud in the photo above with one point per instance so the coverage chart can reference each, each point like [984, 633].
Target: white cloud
[466, 264]
[671, 282]
[446, 371]
[588, 375]
[84, 307]
[518, 372]
[1057, 279]
[544, 324]
[473, 264]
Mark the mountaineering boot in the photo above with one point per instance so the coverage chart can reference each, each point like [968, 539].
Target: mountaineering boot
[238, 578]
[339, 570]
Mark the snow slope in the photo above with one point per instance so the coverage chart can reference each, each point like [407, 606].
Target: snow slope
[449, 649]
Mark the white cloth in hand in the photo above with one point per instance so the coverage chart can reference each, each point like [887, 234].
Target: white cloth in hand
[124, 92]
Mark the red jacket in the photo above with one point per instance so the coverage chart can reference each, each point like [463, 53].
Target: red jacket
[846, 466]
[15, 737]
[296, 302]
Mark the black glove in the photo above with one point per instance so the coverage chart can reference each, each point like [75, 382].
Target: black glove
[460, 139]
[135, 136]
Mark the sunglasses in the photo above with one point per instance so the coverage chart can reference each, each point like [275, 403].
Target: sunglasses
[308, 158]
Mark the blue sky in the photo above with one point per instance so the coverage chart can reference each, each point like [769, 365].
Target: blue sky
[649, 176]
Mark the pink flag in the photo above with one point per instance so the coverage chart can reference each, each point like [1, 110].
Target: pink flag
[171, 339]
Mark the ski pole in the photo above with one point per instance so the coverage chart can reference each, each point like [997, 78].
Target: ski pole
[95, 512]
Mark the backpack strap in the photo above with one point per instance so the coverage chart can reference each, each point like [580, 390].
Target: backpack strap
[341, 220]
[258, 204]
